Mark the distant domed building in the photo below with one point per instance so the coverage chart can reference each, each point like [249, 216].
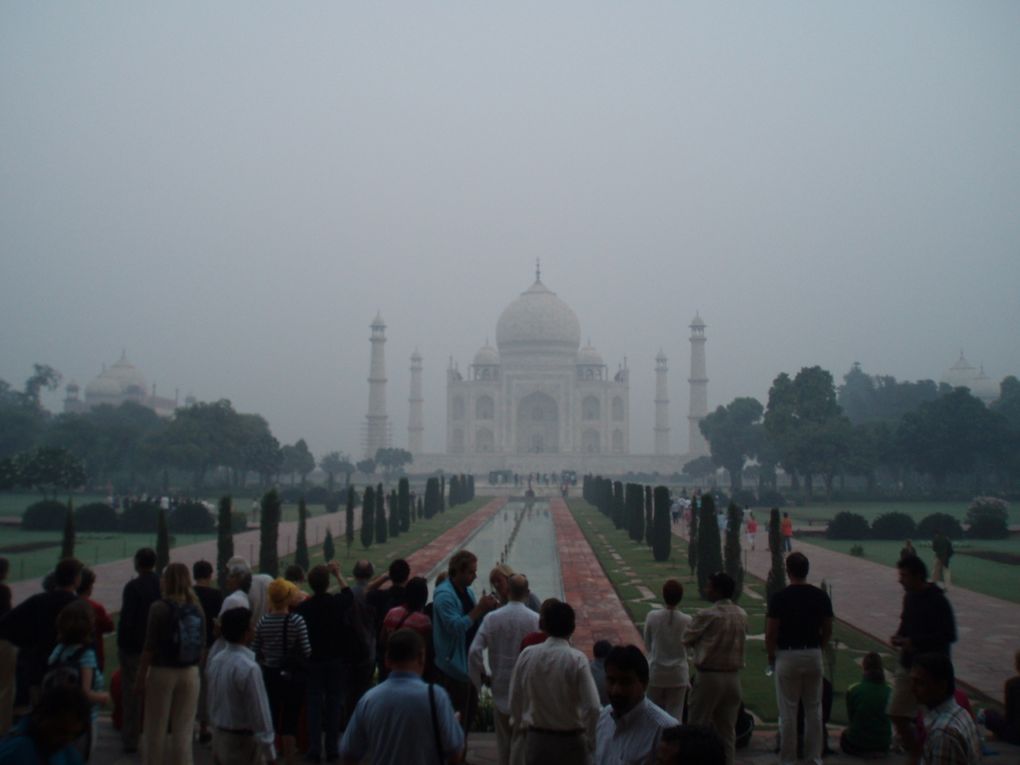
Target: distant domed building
[963, 375]
[116, 384]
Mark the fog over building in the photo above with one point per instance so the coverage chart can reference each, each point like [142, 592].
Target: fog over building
[538, 401]
[119, 383]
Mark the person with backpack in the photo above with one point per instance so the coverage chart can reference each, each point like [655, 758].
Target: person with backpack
[282, 649]
[168, 676]
[74, 662]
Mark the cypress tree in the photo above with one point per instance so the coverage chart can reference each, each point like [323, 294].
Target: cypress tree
[662, 533]
[67, 544]
[734, 562]
[328, 549]
[442, 493]
[380, 515]
[635, 512]
[162, 543]
[692, 539]
[619, 506]
[421, 509]
[367, 517]
[301, 551]
[777, 572]
[649, 533]
[454, 491]
[404, 503]
[431, 497]
[269, 558]
[349, 518]
[709, 543]
[224, 539]
[394, 515]
[471, 486]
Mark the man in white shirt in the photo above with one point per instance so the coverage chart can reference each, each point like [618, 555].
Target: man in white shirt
[238, 705]
[501, 633]
[630, 728]
[553, 699]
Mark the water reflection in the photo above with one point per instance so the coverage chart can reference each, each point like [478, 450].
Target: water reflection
[523, 538]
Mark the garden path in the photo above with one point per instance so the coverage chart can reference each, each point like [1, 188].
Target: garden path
[868, 596]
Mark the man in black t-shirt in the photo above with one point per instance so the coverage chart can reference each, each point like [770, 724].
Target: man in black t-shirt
[797, 627]
[140, 593]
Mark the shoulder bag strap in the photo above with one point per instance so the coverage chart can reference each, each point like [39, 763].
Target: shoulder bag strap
[435, 721]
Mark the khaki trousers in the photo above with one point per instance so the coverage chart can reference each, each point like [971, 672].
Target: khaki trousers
[715, 701]
[235, 749]
[503, 736]
[670, 700]
[171, 697]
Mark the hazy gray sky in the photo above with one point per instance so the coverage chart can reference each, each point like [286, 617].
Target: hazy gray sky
[231, 190]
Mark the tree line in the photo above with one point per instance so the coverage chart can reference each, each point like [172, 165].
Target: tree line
[891, 435]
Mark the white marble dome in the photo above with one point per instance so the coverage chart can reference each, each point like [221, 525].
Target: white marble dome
[487, 356]
[961, 374]
[121, 378]
[538, 320]
[984, 387]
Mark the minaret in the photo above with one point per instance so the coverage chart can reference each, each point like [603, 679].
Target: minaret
[697, 445]
[376, 425]
[661, 405]
[415, 422]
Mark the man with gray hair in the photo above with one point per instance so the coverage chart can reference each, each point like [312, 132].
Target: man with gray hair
[501, 633]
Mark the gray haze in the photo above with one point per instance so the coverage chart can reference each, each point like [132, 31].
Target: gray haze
[230, 191]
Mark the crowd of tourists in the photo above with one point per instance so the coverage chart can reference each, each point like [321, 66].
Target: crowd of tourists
[371, 670]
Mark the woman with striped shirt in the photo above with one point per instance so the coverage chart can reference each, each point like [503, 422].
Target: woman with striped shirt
[281, 646]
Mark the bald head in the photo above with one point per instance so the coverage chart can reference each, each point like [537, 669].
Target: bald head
[519, 589]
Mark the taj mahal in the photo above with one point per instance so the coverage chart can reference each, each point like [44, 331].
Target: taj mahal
[538, 401]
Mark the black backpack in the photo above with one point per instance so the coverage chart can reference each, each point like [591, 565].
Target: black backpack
[185, 639]
[65, 671]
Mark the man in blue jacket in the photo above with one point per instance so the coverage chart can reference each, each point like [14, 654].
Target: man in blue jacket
[456, 617]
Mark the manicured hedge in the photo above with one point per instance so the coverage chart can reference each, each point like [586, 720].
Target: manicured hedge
[893, 526]
[97, 516]
[47, 515]
[848, 526]
[949, 525]
[191, 518]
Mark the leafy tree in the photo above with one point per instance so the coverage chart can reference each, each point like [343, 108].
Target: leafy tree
[257, 451]
[162, 543]
[709, 543]
[49, 470]
[67, 544]
[404, 504]
[368, 517]
[734, 554]
[328, 548]
[871, 399]
[700, 468]
[191, 518]
[380, 515]
[269, 534]
[391, 460]
[349, 518]
[662, 534]
[944, 522]
[333, 463]
[988, 518]
[950, 435]
[777, 571]
[224, 538]
[366, 466]
[22, 417]
[733, 437]
[301, 551]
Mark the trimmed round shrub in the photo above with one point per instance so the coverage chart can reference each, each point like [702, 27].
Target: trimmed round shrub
[333, 502]
[97, 516]
[290, 495]
[47, 515]
[316, 495]
[948, 524]
[191, 518]
[848, 526]
[988, 518]
[140, 518]
[893, 526]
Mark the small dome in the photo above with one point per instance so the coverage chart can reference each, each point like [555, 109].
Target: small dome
[961, 374]
[588, 356]
[103, 386]
[127, 376]
[487, 356]
[984, 387]
[538, 321]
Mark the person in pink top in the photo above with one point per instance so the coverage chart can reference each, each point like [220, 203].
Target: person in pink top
[411, 616]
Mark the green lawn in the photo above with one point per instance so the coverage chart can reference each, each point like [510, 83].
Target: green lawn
[759, 690]
[996, 579]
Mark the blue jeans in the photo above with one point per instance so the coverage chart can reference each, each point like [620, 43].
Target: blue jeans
[324, 686]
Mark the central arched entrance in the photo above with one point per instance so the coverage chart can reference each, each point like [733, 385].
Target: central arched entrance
[538, 424]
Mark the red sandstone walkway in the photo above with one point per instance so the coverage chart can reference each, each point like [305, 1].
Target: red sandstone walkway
[598, 610]
[429, 556]
[867, 595]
